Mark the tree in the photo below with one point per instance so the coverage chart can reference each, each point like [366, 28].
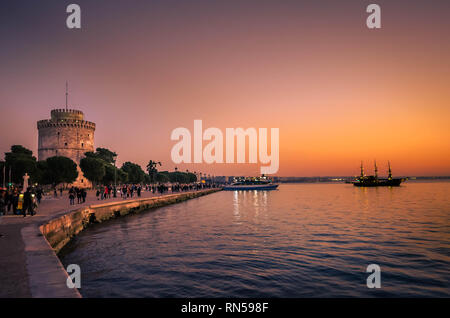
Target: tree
[114, 174]
[110, 174]
[107, 158]
[40, 176]
[3, 166]
[134, 171]
[91, 154]
[58, 170]
[106, 155]
[191, 177]
[162, 177]
[181, 177]
[151, 169]
[122, 176]
[103, 154]
[93, 169]
[19, 149]
[20, 160]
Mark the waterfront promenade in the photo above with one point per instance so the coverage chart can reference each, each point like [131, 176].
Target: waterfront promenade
[27, 261]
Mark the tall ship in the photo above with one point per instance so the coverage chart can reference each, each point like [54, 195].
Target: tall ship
[375, 181]
[255, 183]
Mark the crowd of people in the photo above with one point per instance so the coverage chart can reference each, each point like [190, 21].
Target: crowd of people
[79, 193]
[130, 190]
[162, 188]
[13, 200]
[18, 202]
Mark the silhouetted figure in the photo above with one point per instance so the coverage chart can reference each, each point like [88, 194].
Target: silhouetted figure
[28, 204]
[39, 195]
[83, 195]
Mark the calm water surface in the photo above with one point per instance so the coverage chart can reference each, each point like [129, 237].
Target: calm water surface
[303, 240]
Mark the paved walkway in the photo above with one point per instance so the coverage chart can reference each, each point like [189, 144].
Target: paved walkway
[14, 279]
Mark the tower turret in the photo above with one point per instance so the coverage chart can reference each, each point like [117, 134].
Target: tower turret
[66, 134]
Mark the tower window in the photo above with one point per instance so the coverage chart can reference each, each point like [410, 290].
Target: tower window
[65, 144]
[82, 144]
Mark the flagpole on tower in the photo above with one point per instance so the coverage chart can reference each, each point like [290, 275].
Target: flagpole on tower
[67, 92]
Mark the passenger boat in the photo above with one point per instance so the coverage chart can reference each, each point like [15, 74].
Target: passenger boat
[260, 183]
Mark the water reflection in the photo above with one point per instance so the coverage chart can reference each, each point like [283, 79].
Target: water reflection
[253, 202]
[303, 240]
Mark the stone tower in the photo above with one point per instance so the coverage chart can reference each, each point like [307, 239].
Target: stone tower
[66, 134]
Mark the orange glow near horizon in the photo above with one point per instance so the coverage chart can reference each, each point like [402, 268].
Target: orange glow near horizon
[338, 92]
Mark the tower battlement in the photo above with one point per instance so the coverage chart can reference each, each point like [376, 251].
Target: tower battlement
[46, 123]
[66, 134]
[64, 114]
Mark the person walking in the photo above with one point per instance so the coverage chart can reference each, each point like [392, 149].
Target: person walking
[83, 195]
[28, 205]
[71, 198]
[39, 195]
[10, 199]
[15, 201]
[79, 199]
[2, 202]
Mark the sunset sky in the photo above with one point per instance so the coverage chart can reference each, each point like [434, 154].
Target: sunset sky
[338, 92]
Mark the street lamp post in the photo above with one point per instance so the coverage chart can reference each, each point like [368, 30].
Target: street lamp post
[176, 175]
[4, 175]
[115, 177]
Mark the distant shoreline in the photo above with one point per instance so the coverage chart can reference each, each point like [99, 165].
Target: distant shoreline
[344, 179]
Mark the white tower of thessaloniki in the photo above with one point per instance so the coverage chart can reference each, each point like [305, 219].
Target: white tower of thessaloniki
[66, 134]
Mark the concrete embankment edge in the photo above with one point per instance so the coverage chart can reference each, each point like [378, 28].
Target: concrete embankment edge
[47, 276]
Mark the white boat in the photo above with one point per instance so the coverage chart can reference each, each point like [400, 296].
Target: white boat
[251, 184]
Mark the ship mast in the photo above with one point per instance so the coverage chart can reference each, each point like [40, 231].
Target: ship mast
[362, 170]
[390, 172]
[376, 170]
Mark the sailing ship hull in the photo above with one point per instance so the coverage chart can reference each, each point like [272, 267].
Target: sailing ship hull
[378, 183]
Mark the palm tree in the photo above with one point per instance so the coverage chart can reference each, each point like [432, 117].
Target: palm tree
[151, 169]
[176, 175]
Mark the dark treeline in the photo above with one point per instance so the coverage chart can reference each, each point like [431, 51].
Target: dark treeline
[99, 167]
[53, 171]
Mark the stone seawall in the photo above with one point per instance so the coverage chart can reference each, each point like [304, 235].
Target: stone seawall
[61, 230]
